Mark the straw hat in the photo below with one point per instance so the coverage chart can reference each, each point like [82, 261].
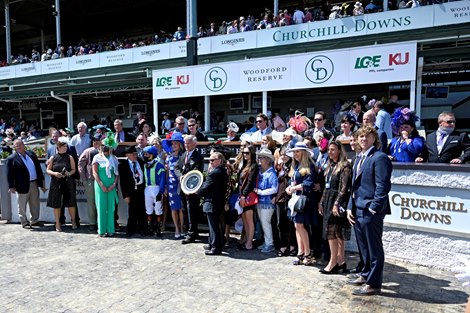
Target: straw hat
[264, 152]
[299, 146]
[233, 126]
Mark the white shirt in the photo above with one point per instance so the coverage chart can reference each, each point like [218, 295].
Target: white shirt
[30, 165]
[139, 171]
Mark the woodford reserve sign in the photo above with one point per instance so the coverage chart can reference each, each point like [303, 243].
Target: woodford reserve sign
[430, 208]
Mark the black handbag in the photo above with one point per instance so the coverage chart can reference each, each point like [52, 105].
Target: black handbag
[300, 204]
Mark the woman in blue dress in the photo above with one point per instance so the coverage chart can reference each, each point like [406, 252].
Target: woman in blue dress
[174, 148]
[302, 175]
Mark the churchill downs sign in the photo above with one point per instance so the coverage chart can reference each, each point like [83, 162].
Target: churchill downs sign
[425, 208]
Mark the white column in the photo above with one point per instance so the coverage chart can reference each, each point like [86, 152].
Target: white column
[419, 86]
[207, 113]
[155, 116]
[265, 102]
[70, 112]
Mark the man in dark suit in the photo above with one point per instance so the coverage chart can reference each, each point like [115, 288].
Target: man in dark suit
[369, 199]
[132, 187]
[446, 145]
[213, 190]
[25, 176]
[191, 160]
[121, 136]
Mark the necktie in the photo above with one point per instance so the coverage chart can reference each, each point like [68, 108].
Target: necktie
[186, 159]
[118, 137]
[359, 163]
[440, 142]
[136, 173]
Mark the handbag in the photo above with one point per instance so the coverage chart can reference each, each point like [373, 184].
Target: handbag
[297, 203]
[252, 197]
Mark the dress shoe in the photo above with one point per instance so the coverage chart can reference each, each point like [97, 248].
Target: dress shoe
[354, 276]
[25, 225]
[212, 252]
[358, 281]
[207, 247]
[36, 224]
[366, 291]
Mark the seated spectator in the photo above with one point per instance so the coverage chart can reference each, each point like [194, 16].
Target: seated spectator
[244, 27]
[413, 4]
[212, 31]
[179, 34]
[308, 16]
[446, 145]
[233, 28]
[347, 128]
[371, 7]
[335, 13]
[201, 33]
[358, 9]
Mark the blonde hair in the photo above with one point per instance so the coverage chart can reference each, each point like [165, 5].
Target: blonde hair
[304, 165]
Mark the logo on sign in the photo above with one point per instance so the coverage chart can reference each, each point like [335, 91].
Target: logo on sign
[164, 81]
[216, 79]
[368, 61]
[319, 69]
[398, 59]
[182, 79]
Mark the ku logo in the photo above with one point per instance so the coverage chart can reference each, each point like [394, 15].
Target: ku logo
[216, 79]
[397, 59]
[319, 69]
[182, 79]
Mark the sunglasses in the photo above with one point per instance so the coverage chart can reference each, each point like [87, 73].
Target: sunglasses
[245, 153]
[259, 121]
[450, 122]
[191, 125]
[180, 123]
[212, 160]
[318, 119]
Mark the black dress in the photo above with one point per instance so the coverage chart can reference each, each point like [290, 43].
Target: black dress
[62, 190]
[339, 189]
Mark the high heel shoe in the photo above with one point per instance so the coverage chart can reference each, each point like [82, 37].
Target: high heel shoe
[299, 259]
[309, 259]
[334, 270]
[343, 268]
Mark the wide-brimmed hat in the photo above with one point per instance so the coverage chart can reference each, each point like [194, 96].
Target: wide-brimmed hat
[63, 140]
[151, 150]
[346, 106]
[109, 141]
[166, 143]
[106, 129]
[299, 146]
[130, 149]
[264, 152]
[358, 4]
[233, 126]
[278, 136]
[336, 8]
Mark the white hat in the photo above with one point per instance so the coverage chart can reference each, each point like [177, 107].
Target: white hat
[278, 136]
[336, 8]
[299, 146]
[233, 126]
[63, 140]
[265, 152]
[358, 4]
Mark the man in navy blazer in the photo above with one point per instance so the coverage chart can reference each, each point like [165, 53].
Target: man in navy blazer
[213, 190]
[371, 184]
[446, 145]
[25, 176]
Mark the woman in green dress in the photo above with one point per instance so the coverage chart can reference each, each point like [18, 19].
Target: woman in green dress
[105, 172]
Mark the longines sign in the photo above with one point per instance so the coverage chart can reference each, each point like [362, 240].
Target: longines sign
[355, 66]
[421, 207]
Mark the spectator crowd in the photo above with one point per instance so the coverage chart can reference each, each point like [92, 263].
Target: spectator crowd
[264, 20]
